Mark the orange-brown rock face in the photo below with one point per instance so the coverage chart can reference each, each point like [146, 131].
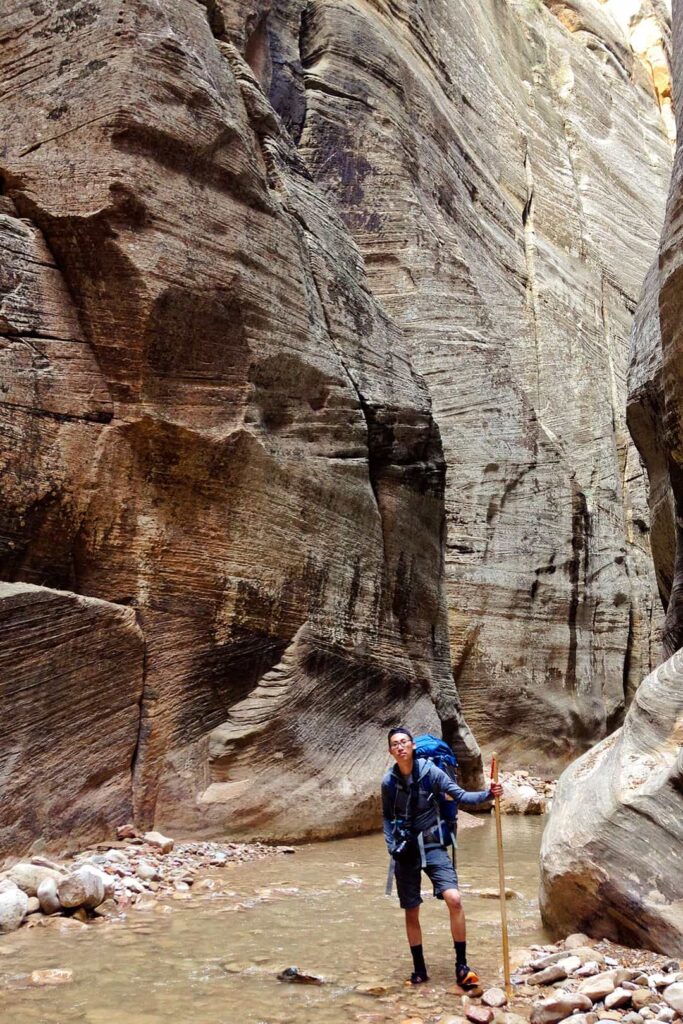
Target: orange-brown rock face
[207, 417]
[71, 673]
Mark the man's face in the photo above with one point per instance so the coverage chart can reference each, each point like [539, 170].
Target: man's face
[401, 748]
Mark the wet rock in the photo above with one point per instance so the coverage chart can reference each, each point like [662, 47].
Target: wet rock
[159, 841]
[479, 1014]
[297, 977]
[33, 905]
[609, 1015]
[632, 1018]
[494, 894]
[666, 1014]
[494, 997]
[13, 908]
[82, 888]
[673, 995]
[558, 1006]
[29, 876]
[127, 831]
[52, 976]
[521, 800]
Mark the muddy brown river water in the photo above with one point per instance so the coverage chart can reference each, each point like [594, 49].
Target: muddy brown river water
[214, 959]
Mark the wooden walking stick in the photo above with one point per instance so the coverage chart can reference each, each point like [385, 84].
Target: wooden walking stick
[501, 882]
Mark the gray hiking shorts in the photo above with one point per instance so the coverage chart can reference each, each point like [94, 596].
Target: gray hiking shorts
[439, 870]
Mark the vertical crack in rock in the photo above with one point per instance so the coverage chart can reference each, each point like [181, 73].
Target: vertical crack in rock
[578, 574]
[530, 258]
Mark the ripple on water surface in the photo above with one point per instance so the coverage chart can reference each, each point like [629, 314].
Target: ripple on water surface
[214, 959]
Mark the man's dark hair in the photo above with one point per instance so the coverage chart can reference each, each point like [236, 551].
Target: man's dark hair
[392, 732]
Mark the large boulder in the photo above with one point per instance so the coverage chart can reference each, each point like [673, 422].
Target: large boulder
[13, 908]
[208, 417]
[29, 876]
[84, 887]
[71, 678]
[610, 857]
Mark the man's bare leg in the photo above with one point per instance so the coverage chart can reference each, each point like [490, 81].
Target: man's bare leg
[413, 929]
[457, 914]
[466, 978]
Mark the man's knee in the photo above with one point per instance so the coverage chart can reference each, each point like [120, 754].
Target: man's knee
[413, 914]
[452, 899]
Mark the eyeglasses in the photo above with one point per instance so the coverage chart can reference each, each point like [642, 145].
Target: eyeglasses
[399, 743]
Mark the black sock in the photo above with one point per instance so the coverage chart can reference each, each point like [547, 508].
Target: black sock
[419, 961]
[460, 953]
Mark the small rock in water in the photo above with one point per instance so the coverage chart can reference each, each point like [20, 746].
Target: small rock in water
[126, 831]
[52, 976]
[494, 997]
[294, 975]
[479, 1014]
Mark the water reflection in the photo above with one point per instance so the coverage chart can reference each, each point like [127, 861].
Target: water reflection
[215, 959]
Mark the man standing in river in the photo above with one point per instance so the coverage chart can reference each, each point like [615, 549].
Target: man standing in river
[410, 792]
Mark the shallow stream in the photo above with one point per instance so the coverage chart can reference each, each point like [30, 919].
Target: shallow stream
[214, 958]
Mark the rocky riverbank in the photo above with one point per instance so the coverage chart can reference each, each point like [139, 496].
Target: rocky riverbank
[581, 981]
[108, 878]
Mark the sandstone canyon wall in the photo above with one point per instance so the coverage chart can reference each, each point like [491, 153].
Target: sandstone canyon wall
[502, 167]
[611, 858]
[209, 423]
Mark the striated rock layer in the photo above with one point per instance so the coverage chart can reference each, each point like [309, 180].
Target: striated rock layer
[207, 417]
[485, 157]
[71, 675]
[611, 862]
[611, 856]
[655, 412]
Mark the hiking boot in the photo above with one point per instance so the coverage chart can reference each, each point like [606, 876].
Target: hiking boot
[418, 979]
[466, 978]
